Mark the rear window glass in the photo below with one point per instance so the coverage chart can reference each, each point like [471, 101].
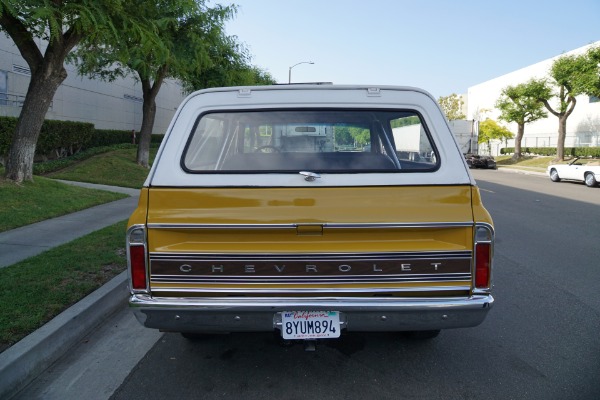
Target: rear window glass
[309, 140]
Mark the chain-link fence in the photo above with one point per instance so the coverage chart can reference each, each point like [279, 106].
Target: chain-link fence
[580, 139]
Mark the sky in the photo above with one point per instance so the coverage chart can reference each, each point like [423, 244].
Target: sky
[441, 46]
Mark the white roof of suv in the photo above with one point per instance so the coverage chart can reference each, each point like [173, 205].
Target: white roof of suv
[168, 169]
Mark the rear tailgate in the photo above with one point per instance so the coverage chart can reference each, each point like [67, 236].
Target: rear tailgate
[360, 241]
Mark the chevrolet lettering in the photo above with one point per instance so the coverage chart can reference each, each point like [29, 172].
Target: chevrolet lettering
[310, 210]
[281, 268]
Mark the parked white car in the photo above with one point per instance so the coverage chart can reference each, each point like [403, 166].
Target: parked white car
[587, 171]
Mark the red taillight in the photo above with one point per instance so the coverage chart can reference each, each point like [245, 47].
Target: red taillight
[482, 265]
[138, 267]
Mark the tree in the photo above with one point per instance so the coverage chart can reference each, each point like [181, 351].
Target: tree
[520, 104]
[591, 85]
[570, 76]
[61, 25]
[229, 66]
[188, 30]
[452, 106]
[193, 49]
[490, 130]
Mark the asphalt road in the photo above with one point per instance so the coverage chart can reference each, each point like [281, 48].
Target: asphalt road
[541, 339]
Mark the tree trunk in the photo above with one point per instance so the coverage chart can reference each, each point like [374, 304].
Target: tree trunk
[150, 92]
[562, 134]
[43, 85]
[518, 139]
[148, 115]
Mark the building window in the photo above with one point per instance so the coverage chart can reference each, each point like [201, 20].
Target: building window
[594, 99]
[19, 69]
[133, 98]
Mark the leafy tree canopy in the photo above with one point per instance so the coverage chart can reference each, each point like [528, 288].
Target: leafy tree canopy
[452, 106]
[351, 135]
[591, 83]
[520, 103]
[490, 130]
[192, 47]
[186, 31]
[230, 66]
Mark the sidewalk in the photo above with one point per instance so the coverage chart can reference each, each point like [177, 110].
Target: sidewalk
[27, 241]
[24, 361]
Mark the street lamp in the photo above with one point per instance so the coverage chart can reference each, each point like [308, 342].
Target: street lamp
[290, 73]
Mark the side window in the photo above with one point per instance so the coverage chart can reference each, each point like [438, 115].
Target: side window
[206, 145]
[413, 146]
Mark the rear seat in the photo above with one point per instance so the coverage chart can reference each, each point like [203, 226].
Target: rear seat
[339, 161]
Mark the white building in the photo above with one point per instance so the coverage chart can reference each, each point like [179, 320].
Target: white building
[583, 125]
[114, 105]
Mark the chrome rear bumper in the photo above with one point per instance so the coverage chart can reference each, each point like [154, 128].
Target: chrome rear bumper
[248, 314]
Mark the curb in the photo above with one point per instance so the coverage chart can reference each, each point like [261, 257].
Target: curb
[521, 171]
[23, 362]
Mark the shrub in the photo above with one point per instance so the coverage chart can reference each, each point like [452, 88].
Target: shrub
[551, 151]
[63, 138]
[57, 138]
[7, 128]
[107, 137]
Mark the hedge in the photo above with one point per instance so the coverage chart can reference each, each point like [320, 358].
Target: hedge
[64, 138]
[59, 139]
[7, 128]
[107, 137]
[551, 151]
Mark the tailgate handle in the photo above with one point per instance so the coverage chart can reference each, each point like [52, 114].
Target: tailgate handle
[309, 230]
[309, 176]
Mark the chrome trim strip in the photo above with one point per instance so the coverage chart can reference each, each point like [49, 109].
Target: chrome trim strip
[324, 225]
[316, 291]
[249, 280]
[284, 303]
[433, 255]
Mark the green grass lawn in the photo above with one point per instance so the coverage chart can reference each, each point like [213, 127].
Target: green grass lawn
[528, 162]
[115, 168]
[44, 198]
[35, 290]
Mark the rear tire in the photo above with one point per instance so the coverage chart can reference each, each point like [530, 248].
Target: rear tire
[590, 180]
[554, 176]
[422, 335]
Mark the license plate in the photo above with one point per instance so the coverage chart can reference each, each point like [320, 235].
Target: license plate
[310, 324]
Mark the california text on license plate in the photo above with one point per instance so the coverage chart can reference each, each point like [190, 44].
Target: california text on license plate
[310, 324]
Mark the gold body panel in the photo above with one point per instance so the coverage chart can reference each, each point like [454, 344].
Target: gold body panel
[337, 222]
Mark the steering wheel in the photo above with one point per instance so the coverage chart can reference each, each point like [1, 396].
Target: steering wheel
[267, 149]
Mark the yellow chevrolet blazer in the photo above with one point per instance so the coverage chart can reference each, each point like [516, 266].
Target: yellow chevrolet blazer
[310, 210]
